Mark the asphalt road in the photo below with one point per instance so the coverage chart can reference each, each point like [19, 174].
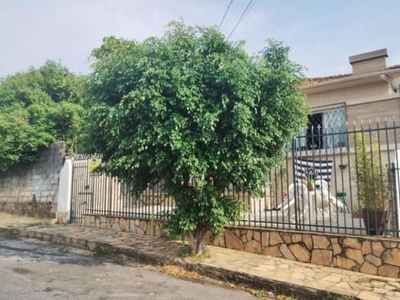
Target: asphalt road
[34, 270]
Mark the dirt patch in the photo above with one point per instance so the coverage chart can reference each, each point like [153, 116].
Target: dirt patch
[21, 271]
[194, 276]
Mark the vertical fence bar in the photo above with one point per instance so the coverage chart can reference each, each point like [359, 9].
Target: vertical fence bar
[330, 207]
[295, 196]
[397, 180]
[381, 184]
[287, 186]
[374, 185]
[152, 217]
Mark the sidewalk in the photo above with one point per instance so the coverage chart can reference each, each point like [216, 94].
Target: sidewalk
[15, 221]
[305, 281]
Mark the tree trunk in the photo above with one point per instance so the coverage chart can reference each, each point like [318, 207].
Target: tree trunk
[196, 241]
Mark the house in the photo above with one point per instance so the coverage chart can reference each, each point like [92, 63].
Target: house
[365, 101]
[369, 93]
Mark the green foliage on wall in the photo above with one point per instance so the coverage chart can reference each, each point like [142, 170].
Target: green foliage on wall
[38, 107]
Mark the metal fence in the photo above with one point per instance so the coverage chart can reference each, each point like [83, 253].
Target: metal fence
[100, 194]
[316, 188]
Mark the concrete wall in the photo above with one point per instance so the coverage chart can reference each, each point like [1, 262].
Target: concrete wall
[364, 100]
[372, 111]
[31, 189]
[350, 95]
[371, 255]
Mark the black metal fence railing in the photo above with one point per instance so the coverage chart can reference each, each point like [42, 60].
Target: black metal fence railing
[351, 187]
[109, 196]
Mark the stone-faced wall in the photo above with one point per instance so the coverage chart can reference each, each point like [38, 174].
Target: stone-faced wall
[370, 255]
[31, 189]
[141, 226]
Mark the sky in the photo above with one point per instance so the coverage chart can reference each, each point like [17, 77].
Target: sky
[322, 34]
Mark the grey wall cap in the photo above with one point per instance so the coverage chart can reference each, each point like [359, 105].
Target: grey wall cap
[368, 55]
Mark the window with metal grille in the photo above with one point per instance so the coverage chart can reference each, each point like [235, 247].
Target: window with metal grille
[326, 128]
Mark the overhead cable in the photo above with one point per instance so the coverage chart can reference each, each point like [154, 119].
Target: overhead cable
[245, 12]
[226, 12]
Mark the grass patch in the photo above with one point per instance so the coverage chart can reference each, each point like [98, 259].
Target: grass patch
[10, 233]
[396, 289]
[186, 252]
[205, 254]
[101, 251]
[363, 280]
[259, 293]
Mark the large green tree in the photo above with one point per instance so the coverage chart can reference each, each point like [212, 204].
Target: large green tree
[38, 107]
[196, 113]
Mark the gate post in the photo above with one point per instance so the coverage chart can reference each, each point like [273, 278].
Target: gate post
[64, 194]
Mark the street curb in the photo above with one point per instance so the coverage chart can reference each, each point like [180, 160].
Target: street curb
[279, 287]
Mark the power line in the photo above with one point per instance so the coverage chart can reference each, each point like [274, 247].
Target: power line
[245, 12]
[223, 18]
[254, 2]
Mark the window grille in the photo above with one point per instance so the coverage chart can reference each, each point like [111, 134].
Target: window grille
[326, 128]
